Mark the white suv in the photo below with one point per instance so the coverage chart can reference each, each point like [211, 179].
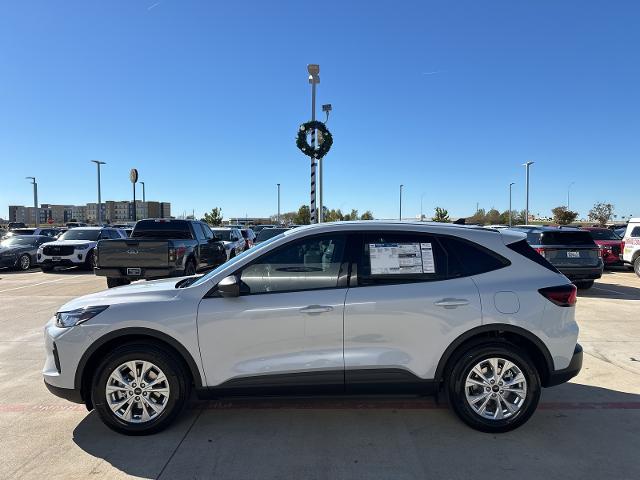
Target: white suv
[338, 307]
[631, 245]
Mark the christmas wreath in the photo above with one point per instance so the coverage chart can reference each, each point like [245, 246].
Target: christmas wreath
[325, 139]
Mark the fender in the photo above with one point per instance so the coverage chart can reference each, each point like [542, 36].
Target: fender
[138, 331]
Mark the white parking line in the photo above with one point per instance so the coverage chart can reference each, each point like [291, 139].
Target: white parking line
[41, 283]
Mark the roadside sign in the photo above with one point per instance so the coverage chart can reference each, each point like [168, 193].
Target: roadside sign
[133, 175]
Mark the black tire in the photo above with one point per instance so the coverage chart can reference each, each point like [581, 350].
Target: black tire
[90, 261]
[584, 285]
[190, 268]
[46, 268]
[636, 265]
[177, 379]
[116, 282]
[462, 366]
[24, 262]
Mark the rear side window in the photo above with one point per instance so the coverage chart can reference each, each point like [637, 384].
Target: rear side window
[392, 258]
[523, 248]
[472, 258]
[635, 232]
[567, 238]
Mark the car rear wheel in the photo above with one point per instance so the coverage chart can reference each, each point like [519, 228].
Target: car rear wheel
[24, 262]
[493, 387]
[636, 265]
[584, 285]
[139, 389]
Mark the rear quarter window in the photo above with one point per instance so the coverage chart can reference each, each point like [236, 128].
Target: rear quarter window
[635, 232]
[472, 259]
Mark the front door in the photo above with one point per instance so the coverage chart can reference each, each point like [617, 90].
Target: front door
[287, 322]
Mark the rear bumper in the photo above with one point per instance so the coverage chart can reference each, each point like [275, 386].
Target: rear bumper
[145, 273]
[582, 273]
[561, 376]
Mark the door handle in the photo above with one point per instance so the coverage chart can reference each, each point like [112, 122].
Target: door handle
[311, 309]
[452, 302]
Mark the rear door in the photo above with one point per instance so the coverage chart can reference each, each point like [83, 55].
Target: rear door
[406, 303]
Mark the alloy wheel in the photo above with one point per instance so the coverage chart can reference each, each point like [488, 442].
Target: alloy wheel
[495, 388]
[137, 391]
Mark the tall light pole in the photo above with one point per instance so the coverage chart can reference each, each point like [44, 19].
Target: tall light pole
[421, 214]
[144, 197]
[278, 203]
[510, 185]
[568, 194]
[314, 79]
[526, 207]
[99, 214]
[36, 210]
[400, 218]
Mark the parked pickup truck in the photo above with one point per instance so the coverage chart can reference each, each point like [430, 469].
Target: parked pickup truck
[159, 248]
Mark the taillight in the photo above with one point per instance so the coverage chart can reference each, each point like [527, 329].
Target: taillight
[540, 251]
[562, 295]
[599, 252]
[622, 247]
[172, 254]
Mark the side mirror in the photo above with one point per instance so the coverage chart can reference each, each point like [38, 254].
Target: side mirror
[229, 287]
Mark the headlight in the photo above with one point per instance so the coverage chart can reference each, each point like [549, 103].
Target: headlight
[81, 248]
[78, 316]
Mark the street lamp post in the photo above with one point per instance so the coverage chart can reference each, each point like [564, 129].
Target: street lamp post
[421, 214]
[314, 79]
[510, 185]
[99, 214]
[526, 207]
[144, 197]
[400, 218]
[36, 210]
[568, 194]
[278, 204]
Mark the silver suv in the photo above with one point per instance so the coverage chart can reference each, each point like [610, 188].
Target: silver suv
[341, 307]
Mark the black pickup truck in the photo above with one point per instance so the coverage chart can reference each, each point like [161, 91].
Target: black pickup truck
[159, 248]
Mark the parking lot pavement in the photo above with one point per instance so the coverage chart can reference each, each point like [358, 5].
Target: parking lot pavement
[585, 429]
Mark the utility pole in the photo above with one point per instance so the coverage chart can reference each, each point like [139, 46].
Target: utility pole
[278, 221]
[510, 185]
[400, 217]
[99, 213]
[526, 208]
[36, 210]
[144, 197]
[568, 194]
[421, 214]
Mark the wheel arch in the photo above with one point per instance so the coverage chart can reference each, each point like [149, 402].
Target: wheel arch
[94, 354]
[526, 340]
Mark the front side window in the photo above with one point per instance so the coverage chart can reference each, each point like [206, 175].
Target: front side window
[308, 264]
[391, 258]
[635, 232]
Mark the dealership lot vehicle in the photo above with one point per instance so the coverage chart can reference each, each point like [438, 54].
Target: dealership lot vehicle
[46, 232]
[610, 245]
[75, 247]
[159, 248]
[631, 245]
[232, 239]
[267, 233]
[20, 251]
[573, 252]
[249, 237]
[295, 314]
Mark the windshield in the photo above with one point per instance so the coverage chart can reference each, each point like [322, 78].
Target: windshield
[80, 234]
[19, 240]
[268, 233]
[235, 260]
[604, 234]
[223, 234]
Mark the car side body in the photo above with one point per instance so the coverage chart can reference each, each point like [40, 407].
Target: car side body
[343, 321]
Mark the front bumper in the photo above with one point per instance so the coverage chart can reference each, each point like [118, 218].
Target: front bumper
[67, 260]
[8, 261]
[70, 394]
[561, 376]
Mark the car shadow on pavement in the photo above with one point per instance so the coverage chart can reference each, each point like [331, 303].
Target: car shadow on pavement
[611, 290]
[586, 430]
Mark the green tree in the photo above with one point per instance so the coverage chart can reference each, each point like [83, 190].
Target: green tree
[563, 216]
[214, 217]
[478, 218]
[352, 216]
[303, 217]
[333, 215]
[601, 213]
[368, 215]
[493, 217]
[441, 215]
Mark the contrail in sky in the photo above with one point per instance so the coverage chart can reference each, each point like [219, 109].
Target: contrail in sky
[153, 6]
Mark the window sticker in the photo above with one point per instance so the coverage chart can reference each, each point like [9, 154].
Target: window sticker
[428, 265]
[396, 258]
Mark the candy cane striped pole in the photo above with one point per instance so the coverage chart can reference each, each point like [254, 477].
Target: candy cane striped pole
[314, 161]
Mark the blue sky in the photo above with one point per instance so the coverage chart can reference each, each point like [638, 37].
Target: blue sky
[204, 98]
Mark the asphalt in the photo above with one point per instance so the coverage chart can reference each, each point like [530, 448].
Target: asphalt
[586, 429]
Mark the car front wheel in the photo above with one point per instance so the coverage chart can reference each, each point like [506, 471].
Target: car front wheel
[494, 387]
[24, 262]
[636, 265]
[139, 389]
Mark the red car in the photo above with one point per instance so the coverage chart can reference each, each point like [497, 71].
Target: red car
[610, 245]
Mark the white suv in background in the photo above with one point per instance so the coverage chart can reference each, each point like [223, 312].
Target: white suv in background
[631, 245]
[336, 307]
[75, 247]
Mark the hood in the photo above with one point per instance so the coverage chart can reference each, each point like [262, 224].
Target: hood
[75, 243]
[155, 290]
